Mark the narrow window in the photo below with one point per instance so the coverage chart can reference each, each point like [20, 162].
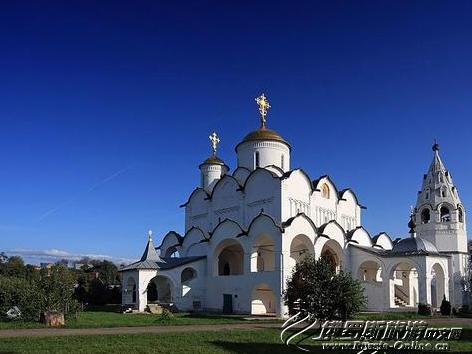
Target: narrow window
[282, 162]
[461, 215]
[257, 159]
[443, 193]
[325, 191]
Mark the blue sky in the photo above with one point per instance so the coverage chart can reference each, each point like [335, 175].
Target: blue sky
[106, 107]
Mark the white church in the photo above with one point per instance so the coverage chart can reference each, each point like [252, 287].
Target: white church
[245, 231]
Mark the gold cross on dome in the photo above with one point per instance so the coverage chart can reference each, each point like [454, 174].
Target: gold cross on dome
[263, 108]
[214, 139]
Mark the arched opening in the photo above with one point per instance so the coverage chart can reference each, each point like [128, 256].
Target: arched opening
[263, 256]
[332, 254]
[186, 278]
[370, 272]
[163, 289]
[443, 192]
[229, 258]
[151, 292]
[425, 216]
[404, 285]
[445, 214]
[461, 215]
[437, 285]
[263, 300]
[130, 291]
[301, 247]
[325, 191]
[172, 252]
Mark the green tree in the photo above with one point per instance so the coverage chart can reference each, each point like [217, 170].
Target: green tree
[315, 289]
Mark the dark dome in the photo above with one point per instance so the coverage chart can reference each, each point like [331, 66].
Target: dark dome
[414, 245]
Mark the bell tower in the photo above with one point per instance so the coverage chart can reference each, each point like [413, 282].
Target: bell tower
[441, 219]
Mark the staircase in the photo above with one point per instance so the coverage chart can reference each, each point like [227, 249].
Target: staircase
[400, 297]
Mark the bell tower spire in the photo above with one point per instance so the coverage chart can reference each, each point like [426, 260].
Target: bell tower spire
[440, 214]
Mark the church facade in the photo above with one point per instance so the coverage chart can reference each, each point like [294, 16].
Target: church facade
[246, 230]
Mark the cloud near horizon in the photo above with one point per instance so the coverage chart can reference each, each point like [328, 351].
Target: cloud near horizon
[54, 255]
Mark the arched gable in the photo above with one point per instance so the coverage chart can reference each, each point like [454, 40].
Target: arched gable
[361, 236]
[348, 196]
[318, 183]
[383, 240]
[225, 230]
[194, 243]
[226, 186]
[300, 174]
[262, 222]
[241, 174]
[171, 240]
[300, 223]
[275, 169]
[198, 194]
[332, 230]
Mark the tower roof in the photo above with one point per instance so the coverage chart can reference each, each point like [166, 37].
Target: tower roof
[150, 253]
[438, 186]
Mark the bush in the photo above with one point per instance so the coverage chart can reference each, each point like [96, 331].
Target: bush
[21, 293]
[445, 307]
[424, 309]
[315, 289]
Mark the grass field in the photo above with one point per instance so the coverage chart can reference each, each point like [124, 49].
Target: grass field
[234, 341]
[100, 319]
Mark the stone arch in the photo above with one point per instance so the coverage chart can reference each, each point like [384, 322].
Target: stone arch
[164, 288]
[263, 254]
[370, 271]
[444, 214]
[229, 258]
[425, 215]
[438, 285]
[186, 279]
[332, 253]
[300, 247]
[263, 300]
[404, 285]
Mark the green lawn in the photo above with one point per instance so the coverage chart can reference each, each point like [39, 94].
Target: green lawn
[90, 319]
[234, 341]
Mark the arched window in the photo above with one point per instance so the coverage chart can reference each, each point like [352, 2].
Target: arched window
[461, 215]
[187, 275]
[325, 191]
[425, 216]
[445, 214]
[256, 159]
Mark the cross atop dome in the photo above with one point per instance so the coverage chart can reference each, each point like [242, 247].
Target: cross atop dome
[215, 140]
[264, 106]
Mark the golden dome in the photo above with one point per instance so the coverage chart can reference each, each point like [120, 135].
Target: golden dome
[264, 134]
[213, 160]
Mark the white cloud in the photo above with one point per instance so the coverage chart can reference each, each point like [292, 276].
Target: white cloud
[53, 255]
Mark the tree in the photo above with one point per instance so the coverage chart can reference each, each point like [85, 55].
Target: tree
[315, 289]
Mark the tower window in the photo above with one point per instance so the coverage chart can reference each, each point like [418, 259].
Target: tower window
[425, 216]
[443, 193]
[445, 214]
[256, 158]
[282, 161]
[325, 191]
[461, 215]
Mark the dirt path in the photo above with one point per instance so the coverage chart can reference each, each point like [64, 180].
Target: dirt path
[48, 332]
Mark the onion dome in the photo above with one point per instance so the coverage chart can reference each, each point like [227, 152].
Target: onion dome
[213, 160]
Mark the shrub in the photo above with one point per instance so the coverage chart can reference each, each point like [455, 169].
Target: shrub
[445, 307]
[21, 293]
[316, 289]
[424, 309]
